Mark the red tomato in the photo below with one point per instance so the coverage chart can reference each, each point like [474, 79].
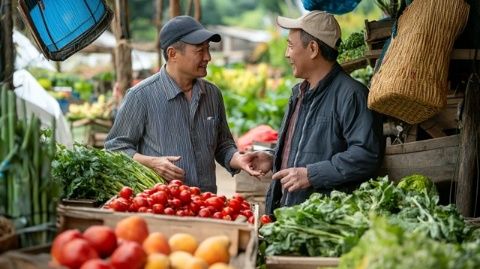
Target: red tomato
[180, 213]
[160, 197]
[130, 255]
[140, 202]
[169, 211]
[217, 215]
[206, 195]
[227, 211]
[227, 217]
[185, 196]
[118, 205]
[77, 252]
[184, 187]
[150, 202]
[158, 208]
[194, 207]
[204, 213]
[212, 209]
[216, 202]
[245, 205]
[264, 219]
[161, 187]
[102, 238]
[251, 219]
[239, 197]
[175, 203]
[126, 192]
[174, 190]
[143, 209]
[132, 208]
[149, 191]
[195, 190]
[175, 182]
[61, 240]
[223, 197]
[236, 205]
[247, 213]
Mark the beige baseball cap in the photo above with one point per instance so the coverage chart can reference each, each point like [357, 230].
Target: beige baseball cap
[319, 24]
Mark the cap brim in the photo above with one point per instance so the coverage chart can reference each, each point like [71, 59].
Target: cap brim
[288, 23]
[200, 36]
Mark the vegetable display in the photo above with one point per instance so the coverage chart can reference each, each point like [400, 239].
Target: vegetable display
[89, 173]
[332, 225]
[178, 199]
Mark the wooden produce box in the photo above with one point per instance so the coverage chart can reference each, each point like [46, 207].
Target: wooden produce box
[435, 158]
[243, 236]
[284, 262]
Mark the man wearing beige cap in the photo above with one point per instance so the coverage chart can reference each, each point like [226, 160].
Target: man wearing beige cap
[329, 139]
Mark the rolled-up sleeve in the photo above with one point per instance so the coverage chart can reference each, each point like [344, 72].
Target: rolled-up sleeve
[128, 127]
[362, 133]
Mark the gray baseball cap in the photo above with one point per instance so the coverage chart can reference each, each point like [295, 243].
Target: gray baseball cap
[186, 29]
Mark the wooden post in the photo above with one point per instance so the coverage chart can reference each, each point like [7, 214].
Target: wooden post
[7, 49]
[123, 51]
[198, 10]
[174, 8]
[158, 23]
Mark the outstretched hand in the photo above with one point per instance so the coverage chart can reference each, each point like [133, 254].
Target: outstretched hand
[255, 163]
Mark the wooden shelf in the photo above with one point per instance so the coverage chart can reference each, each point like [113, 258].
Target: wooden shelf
[351, 66]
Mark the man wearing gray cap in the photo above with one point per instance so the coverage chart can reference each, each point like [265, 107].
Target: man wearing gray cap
[174, 121]
[329, 139]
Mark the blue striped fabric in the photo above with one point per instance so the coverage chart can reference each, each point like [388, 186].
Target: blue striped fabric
[156, 119]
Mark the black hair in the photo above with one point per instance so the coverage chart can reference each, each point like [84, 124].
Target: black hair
[327, 52]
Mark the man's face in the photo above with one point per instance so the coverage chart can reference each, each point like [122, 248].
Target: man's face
[296, 54]
[194, 59]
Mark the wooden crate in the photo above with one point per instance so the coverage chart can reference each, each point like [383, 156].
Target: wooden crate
[284, 262]
[377, 32]
[243, 236]
[435, 158]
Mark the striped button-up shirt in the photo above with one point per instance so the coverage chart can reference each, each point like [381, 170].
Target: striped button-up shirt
[156, 119]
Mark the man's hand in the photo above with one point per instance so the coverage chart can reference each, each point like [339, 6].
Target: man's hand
[245, 161]
[260, 161]
[163, 166]
[293, 179]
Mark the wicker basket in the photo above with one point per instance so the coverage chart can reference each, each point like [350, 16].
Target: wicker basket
[411, 83]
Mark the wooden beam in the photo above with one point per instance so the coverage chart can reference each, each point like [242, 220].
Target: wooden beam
[198, 10]
[174, 8]
[158, 23]
[8, 52]
[123, 51]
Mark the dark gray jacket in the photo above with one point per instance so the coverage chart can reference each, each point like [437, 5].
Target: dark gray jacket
[337, 138]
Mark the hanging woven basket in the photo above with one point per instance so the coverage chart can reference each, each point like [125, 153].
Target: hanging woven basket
[411, 83]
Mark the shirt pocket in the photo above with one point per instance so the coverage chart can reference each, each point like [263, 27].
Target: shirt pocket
[211, 131]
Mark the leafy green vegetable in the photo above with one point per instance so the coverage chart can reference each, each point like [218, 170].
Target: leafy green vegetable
[390, 246]
[88, 173]
[332, 225]
[417, 183]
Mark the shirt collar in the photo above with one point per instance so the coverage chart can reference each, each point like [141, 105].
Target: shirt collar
[172, 89]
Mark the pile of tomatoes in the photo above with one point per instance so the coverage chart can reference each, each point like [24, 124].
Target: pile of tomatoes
[178, 199]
